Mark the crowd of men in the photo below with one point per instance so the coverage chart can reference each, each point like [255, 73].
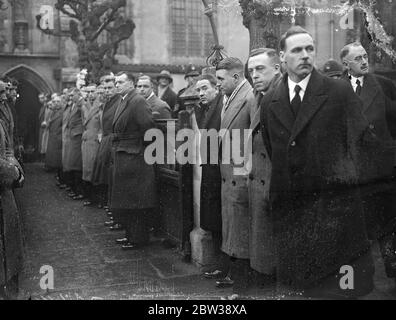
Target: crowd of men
[315, 190]
[11, 177]
[319, 188]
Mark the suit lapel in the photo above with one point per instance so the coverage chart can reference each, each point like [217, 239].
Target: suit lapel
[122, 106]
[235, 106]
[212, 110]
[370, 91]
[314, 99]
[280, 105]
[91, 113]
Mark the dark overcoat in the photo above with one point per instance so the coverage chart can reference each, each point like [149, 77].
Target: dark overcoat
[210, 202]
[74, 129]
[133, 186]
[170, 97]
[379, 194]
[10, 224]
[53, 157]
[102, 162]
[318, 218]
[65, 134]
[234, 191]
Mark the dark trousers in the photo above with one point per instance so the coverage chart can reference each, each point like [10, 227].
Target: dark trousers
[102, 194]
[76, 182]
[223, 260]
[88, 191]
[137, 226]
[241, 273]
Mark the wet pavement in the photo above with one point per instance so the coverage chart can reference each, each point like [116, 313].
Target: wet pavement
[88, 264]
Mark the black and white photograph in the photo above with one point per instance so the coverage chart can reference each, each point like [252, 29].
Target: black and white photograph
[213, 151]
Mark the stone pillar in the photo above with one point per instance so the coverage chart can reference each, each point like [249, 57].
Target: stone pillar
[202, 250]
[21, 28]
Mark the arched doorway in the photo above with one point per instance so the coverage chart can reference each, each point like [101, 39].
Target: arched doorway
[28, 107]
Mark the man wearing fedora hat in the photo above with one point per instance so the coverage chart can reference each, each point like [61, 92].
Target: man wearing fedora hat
[165, 93]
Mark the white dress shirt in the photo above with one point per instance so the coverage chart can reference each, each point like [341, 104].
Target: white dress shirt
[353, 82]
[303, 85]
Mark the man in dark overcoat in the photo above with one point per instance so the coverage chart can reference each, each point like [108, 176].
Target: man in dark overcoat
[74, 131]
[11, 175]
[209, 118]
[101, 172]
[313, 129]
[159, 108]
[378, 96]
[133, 191]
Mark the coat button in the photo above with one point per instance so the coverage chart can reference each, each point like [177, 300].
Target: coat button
[251, 177]
[263, 155]
[263, 182]
[224, 180]
[371, 126]
[293, 144]
[234, 183]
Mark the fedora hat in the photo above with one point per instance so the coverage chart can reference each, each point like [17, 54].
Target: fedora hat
[165, 74]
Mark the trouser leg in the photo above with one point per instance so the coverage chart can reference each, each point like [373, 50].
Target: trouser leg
[137, 229]
[240, 273]
[77, 178]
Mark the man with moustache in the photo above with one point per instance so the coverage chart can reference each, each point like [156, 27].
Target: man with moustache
[264, 69]
[315, 135]
[236, 117]
[378, 96]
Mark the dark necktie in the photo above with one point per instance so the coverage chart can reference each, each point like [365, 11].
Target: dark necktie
[296, 102]
[358, 87]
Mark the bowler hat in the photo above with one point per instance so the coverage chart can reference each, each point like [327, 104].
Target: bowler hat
[332, 68]
[192, 71]
[165, 74]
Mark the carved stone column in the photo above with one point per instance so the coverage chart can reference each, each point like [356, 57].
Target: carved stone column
[21, 28]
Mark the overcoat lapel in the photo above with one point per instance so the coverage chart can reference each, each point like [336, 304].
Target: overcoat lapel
[91, 113]
[236, 106]
[122, 106]
[212, 110]
[280, 105]
[369, 92]
[314, 98]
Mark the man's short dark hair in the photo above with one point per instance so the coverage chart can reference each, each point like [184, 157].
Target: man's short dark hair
[129, 75]
[212, 79]
[231, 63]
[271, 53]
[345, 51]
[291, 32]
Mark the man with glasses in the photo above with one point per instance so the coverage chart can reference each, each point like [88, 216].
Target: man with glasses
[378, 96]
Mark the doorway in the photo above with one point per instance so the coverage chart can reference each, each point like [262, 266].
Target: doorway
[27, 119]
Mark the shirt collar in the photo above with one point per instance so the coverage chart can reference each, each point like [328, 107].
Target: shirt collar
[303, 83]
[353, 79]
